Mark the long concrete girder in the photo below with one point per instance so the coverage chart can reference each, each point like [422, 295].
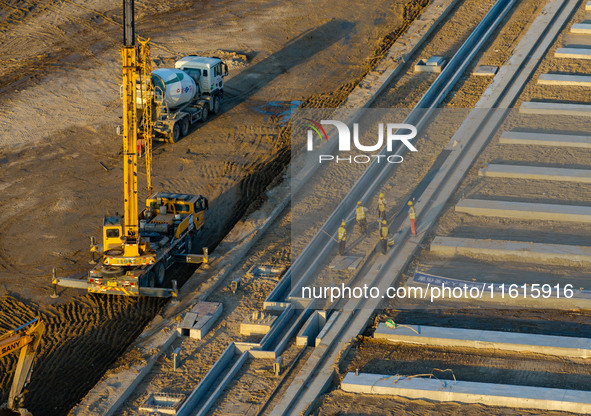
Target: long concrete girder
[525, 210]
[536, 172]
[523, 250]
[572, 80]
[539, 138]
[490, 394]
[464, 147]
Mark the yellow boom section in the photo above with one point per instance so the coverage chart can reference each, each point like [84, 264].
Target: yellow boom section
[130, 215]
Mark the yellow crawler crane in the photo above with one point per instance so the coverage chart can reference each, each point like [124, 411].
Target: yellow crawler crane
[25, 339]
[140, 246]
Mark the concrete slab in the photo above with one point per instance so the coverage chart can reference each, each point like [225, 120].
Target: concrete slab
[573, 53]
[165, 403]
[581, 28]
[469, 338]
[536, 172]
[537, 252]
[545, 139]
[565, 80]
[524, 210]
[345, 262]
[556, 109]
[434, 64]
[485, 70]
[543, 398]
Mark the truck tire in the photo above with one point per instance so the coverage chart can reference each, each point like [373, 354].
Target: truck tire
[176, 133]
[160, 274]
[216, 104]
[204, 113]
[184, 126]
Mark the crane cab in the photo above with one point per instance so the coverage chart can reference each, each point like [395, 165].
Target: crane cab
[112, 232]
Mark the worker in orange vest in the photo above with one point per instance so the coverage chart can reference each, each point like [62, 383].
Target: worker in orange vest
[360, 216]
[412, 215]
[382, 207]
[342, 238]
[384, 234]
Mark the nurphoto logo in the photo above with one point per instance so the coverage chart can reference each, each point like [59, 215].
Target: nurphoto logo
[391, 134]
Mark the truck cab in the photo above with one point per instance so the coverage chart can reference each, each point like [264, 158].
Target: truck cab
[208, 73]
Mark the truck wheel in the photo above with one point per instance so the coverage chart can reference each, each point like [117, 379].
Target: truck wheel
[184, 127]
[160, 274]
[204, 113]
[216, 104]
[176, 133]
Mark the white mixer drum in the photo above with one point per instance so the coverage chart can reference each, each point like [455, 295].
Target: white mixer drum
[175, 85]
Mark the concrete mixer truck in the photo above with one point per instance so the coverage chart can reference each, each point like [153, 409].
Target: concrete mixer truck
[184, 95]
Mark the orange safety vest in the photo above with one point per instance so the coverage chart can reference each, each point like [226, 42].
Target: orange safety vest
[381, 204]
[342, 233]
[411, 213]
[360, 213]
[384, 232]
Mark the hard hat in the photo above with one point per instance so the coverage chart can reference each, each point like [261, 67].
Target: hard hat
[343, 223]
[384, 222]
[381, 195]
[410, 203]
[359, 203]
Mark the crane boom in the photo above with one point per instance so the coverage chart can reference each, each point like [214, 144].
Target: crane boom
[129, 53]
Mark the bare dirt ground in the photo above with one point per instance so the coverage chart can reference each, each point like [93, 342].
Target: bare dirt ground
[60, 77]
[348, 404]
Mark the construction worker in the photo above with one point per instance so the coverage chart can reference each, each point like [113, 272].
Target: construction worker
[384, 233]
[382, 207]
[342, 236]
[412, 215]
[360, 216]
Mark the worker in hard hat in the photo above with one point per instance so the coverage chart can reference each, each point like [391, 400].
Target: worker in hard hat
[381, 206]
[342, 237]
[361, 217]
[384, 233]
[412, 215]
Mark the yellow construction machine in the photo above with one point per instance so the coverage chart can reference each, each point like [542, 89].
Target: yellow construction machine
[25, 338]
[139, 246]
